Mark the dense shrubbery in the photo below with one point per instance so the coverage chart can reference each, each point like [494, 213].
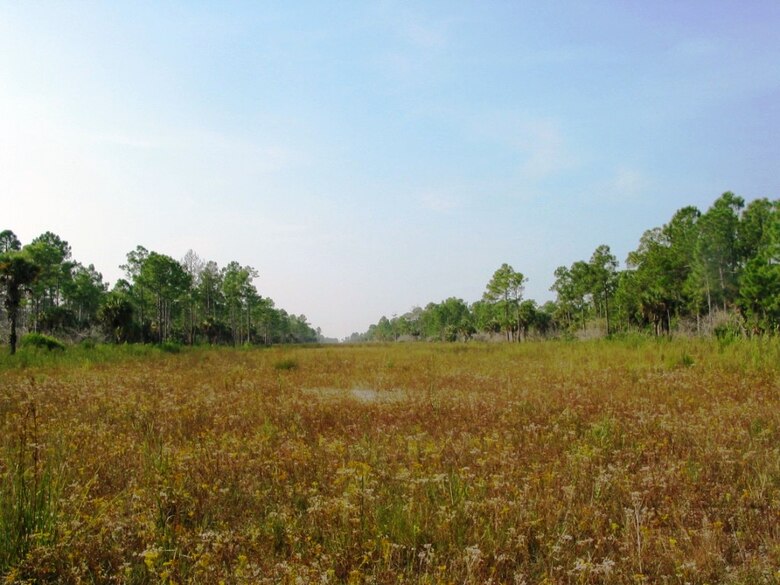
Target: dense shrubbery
[40, 341]
[170, 347]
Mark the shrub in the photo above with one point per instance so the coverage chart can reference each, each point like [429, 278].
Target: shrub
[286, 364]
[87, 343]
[40, 341]
[170, 347]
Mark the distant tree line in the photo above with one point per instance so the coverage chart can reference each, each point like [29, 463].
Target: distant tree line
[712, 272]
[160, 299]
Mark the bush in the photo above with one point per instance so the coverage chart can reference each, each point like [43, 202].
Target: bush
[286, 364]
[170, 347]
[40, 341]
[87, 343]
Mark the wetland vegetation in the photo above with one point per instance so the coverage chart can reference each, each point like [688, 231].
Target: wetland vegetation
[621, 461]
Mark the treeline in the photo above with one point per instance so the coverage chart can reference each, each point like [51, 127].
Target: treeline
[712, 272]
[160, 299]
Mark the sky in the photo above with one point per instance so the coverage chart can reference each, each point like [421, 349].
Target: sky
[367, 157]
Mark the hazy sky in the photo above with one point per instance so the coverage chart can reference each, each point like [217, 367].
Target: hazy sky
[367, 157]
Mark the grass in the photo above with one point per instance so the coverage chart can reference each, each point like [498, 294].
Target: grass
[29, 492]
[626, 461]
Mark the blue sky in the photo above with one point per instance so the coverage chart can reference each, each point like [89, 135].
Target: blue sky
[366, 157]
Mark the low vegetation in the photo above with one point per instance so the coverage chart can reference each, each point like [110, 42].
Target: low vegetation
[41, 341]
[630, 461]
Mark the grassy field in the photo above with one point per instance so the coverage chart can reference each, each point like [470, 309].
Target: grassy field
[634, 461]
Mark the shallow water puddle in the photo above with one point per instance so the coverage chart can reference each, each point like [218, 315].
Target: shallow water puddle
[357, 393]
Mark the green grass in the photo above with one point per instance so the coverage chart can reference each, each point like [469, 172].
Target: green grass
[31, 357]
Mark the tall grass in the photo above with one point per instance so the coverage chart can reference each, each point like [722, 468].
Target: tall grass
[35, 356]
[29, 490]
[622, 461]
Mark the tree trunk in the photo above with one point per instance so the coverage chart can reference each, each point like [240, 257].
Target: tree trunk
[12, 313]
[141, 306]
[248, 323]
[160, 320]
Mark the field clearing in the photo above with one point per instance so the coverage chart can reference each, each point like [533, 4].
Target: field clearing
[599, 462]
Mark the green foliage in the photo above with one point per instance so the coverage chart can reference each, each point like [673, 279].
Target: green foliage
[660, 284]
[9, 242]
[168, 282]
[116, 316]
[170, 347]
[81, 355]
[84, 293]
[716, 255]
[505, 291]
[725, 260]
[727, 333]
[602, 281]
[41, 341]
[88, 343]
[52, 255]
[285, 364]
[17, 274]
[759, 292]
[586, 289]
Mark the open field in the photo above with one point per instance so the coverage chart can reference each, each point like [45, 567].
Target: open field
[599, 462]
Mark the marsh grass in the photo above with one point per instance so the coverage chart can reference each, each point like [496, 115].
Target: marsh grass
[80, 355]
[30, 489]
[621, 461]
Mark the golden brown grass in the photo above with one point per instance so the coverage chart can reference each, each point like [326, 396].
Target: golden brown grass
[621, 462]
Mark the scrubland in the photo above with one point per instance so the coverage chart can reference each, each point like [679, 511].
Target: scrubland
[634, 461]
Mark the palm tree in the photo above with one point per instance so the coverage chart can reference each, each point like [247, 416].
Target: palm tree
[16, 273]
